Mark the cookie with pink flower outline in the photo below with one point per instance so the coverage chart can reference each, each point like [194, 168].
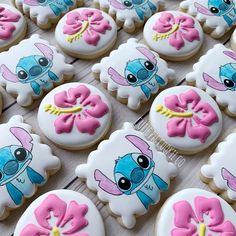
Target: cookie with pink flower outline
[174, 35]
[216, 16]
[78, 115]
[187, 118]
[86, 33]
[61, 213]
[195, 211]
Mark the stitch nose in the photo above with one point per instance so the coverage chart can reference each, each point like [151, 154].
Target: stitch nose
[137, 2]
[11, 167]
[35, 70]
[137, 175]
[223, 7]
[142, 74]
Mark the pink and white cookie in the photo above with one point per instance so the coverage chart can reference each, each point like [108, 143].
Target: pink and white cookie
[13, 26]
[174, 35]
[193, 212]
[187, 118]
[77, 115]
[86, 33]
[61, 213]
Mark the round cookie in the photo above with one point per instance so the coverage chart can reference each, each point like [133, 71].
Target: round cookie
[61, 213]
[13, 26]
[187, 118]
[86, 33]
[195, 212]
[77, 115]
[176, 36]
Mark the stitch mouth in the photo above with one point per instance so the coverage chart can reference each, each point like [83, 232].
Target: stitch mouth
[20, 181]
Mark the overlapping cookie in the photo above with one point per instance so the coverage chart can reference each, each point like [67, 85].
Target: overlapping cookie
[133, 73]
[217, 16]
[25, 164]
[32, 67]
[133, 177]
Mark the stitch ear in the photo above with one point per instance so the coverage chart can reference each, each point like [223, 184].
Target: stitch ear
[116, 77]
[203, 10]
[140, 144]
[231, 179]
[230, 54]
[7, 74]
[213, 83]
[23, 136]
[106, 184]
[31, 2]
[47, 51]
[148, 54]
[117, 4]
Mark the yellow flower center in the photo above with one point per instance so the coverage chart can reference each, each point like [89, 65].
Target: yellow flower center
[55, 231]
[166, 35]
[202, 230]
[58, 111]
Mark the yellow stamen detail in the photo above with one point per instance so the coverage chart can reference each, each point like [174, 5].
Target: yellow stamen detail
[78, 35]
[157, 37]
[202, 230]
[56, 232]
[58, 111]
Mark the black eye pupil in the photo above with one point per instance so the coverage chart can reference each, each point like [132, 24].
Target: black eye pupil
[143, 161]
[149, 65]
[214, 10]
[127, 3]
[41, 1]
[22, 74]
[227, 2]
[229, 83]
[1, 175]
[131, 78]
[20, 154]
[124, 183]
[43, 61]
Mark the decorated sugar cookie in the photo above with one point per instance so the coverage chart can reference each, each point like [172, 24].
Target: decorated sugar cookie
[218, 77]
[174, 35]
[32, 67]
[78, 115]
[130, 14]
[134, 176]
[217, 16]
[220, 171]
[186, 118]
[193, 212]
[25, 164]
[12, 26]
[134, 72]
[46, 13]
[86, 33]
[61, 213]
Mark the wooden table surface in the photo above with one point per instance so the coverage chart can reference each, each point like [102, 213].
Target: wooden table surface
[189, 166]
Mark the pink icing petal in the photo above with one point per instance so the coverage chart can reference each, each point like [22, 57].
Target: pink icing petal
[176, 127]
[74, 23]
[91, 37]
[33, 230]
[64, 123]
[6, 30]
[164, 23]
[227, 229]
[8, 15]
[176, 40]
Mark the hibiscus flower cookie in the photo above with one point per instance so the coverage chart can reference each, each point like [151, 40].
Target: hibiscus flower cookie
[218, 77]
[216, 16]
[195, 212]
[86, 33]
[32, 67]
[130, 14]
[187, 118]
[174, 35]
[12, 26]
[25, 164]
[78, 115]
[61, 213]
[133, 73]
[134, 176]
[46, 13]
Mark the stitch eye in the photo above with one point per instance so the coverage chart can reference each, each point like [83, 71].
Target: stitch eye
[228, 83]
[131, 78]
[20, 154]
[227, 2]
[143, 161]
[128, 3]
[22, 75]
[41, 1]
[43, 61]
[214, 10]
[148, 65]
[124, 183]
[1, 175]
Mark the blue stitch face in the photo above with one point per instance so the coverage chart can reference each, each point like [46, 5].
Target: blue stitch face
[220, 7]
[131, 171]
[228, 76]
[133, 3]
[32, 68]
[139, 71]
[13, 161]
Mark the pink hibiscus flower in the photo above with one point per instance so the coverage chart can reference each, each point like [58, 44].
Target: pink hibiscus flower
[207, 218]
[177, 29]
[6, 26]
[188, 115]
[69, 219]
[88, 24]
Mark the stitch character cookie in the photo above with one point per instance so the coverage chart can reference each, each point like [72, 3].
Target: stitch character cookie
[86, 33]
[78, 115]
[61, 213]
[133, 73]
[25, 164]
[187, 118]
[130, 14]
[218, 77]
[32, 67]
[216, 16]
[174, 35]
[134, 176]
[220, 171]
[195, 211]
[12, 26]
[46, 13]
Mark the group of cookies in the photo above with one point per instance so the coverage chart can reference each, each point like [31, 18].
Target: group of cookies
[126, 171]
